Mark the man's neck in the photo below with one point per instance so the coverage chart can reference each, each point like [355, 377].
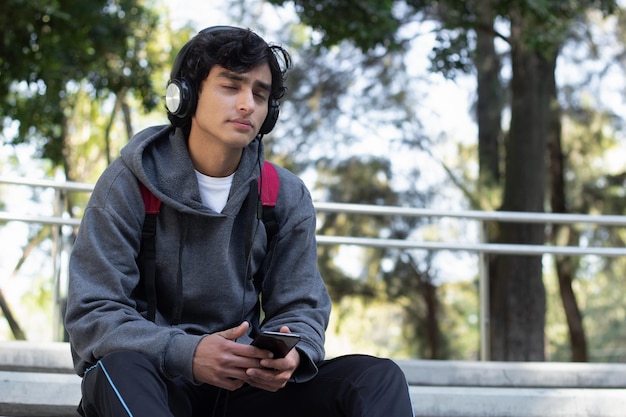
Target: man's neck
[214, 161]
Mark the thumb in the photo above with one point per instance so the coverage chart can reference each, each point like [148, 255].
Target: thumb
[235, 332]
[285, 329]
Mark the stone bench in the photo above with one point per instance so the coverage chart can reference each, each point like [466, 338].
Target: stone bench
[38, 380]
[516, 389]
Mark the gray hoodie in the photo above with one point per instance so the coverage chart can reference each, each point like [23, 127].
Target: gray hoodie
[201, 280]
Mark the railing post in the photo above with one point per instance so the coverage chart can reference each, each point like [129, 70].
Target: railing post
[483, 291]
[57, 250]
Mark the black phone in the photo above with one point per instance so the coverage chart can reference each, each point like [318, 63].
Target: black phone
[278, 343]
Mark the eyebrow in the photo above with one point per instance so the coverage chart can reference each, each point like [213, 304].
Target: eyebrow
[240, 78]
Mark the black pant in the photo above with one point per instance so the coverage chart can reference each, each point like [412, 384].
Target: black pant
[127, 384]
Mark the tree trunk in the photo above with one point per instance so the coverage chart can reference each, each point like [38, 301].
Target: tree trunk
[565, 268]
[109, 127]
[127, 119]
[562, 234]
[433, 334]
[518, 299]
[490, 92]
[18, 334]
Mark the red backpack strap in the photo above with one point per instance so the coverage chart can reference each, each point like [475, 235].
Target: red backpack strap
[147, 252]
[269, 186]
[152, 204]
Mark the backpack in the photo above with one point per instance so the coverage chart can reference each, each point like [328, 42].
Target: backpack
[267, 190]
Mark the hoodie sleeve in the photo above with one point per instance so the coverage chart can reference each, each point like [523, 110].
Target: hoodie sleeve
[294, 293]
[102, 314]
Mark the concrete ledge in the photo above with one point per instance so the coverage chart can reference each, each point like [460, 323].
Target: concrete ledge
[54, 357]
[52, 395]
[517, 402]
[514, 374]
[38, 394]
[37, 380]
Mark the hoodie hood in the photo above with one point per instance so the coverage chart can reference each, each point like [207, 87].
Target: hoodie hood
[159, 158]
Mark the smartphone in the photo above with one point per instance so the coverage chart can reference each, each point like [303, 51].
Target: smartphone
[278, 343]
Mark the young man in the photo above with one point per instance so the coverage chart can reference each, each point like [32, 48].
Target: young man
[216, 272]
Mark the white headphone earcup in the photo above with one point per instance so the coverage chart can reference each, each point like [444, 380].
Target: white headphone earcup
[180, 98]
[172, 98]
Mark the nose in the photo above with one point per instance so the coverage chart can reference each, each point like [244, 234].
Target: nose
[245, 102]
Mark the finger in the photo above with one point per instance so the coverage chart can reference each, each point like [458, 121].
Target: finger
[268, 376]
[235, 332]
[288, 363]
[260, 354]
[268, 381]
[280, 364]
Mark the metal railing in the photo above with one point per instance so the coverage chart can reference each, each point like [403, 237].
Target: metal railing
[376, 210]
[481, 248]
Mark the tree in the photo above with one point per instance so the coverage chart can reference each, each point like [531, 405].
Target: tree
[49, 50]
[537, 31]
[410, 283]
[55, 57]
[358, 181]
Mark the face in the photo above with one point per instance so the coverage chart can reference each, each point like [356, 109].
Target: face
[232, 106]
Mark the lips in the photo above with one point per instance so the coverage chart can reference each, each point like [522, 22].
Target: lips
[242, 123]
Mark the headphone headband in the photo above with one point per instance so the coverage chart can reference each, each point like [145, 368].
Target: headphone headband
[181, 92]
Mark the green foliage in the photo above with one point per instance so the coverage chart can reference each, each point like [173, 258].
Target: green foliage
[368, 23]
[359, 181]
[603, 307]
[60, 61]
[404, 279]
[604, 304]
[48, 48]
[547, 25]
[539, 27]
[459, 319]
[367, 326]
[58, 56]
[452, 54]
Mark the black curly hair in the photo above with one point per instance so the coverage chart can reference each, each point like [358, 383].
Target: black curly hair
[236, 49]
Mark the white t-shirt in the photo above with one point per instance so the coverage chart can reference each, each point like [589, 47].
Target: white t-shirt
[214, 191]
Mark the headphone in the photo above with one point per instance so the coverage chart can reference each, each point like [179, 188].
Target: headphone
[181, 96]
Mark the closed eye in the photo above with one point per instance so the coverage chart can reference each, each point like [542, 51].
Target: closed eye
[261, 96]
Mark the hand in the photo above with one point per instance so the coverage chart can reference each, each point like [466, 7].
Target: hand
[222, 362]
[274, 373]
